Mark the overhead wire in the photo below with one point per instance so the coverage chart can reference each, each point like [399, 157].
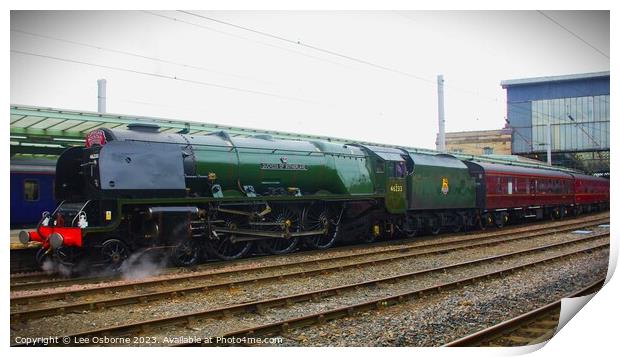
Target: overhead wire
[163, 76]
[133, 54]
[573, 33]
[178, 20]
[316, 48]
[332, 52]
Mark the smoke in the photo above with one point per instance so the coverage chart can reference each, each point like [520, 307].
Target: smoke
[52, 267]
[151, 262]
[142, 264]
[139, 265]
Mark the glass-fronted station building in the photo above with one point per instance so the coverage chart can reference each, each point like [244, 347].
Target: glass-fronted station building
[577, 109]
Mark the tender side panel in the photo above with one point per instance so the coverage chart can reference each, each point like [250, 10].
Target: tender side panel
[440, 182]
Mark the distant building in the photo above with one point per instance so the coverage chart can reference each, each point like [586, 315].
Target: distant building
[480, 142]
[577, 108]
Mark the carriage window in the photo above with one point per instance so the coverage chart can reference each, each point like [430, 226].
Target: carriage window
[527, 186]
[516, 185]
[380, 167]
[550, 186]
[31, 190]
[499, 185]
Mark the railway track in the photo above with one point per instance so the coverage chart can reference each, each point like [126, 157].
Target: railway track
[533, 327]
[591, 243]
[23, 260]
[98, 297]
[35, 281]
[23, 278]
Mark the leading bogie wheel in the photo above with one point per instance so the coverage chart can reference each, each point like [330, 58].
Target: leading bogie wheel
[114, 252]
[186, 253]
[67, 258]
[42, 257]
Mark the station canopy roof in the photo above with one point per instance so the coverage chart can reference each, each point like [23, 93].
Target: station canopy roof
[47, 132]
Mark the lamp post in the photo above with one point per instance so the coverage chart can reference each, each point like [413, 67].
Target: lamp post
[441, 141]
[101, 95]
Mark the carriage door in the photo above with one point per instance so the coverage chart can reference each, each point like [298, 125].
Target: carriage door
[396, 187]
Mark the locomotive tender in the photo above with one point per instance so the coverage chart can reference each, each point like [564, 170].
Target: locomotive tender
[138, 189]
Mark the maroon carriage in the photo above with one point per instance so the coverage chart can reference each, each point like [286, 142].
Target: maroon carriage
[506, 192]
[591, 193]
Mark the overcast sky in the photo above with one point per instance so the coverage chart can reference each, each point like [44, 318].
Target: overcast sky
[233, 76]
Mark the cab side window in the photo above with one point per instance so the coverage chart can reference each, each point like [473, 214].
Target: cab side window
[380, 168]
[400, 170]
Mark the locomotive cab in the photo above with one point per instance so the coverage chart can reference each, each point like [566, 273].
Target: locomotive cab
[392, 167]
